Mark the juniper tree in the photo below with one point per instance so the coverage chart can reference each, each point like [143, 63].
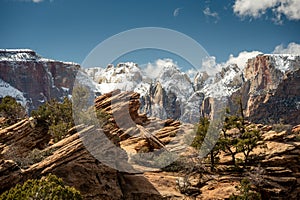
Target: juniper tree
[237, 137]
[56, 117]
[206, 140]
[11, 110]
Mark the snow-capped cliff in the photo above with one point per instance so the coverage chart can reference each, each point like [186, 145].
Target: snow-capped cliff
[171, 93]
[165, 90]
[33, 79]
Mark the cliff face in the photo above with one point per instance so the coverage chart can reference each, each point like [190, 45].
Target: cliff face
[161, 103]
[272, 90]
[37, 78]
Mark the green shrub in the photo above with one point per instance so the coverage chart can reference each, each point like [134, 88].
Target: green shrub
[59, 131]
[46, 188]
[11, 110]
[56, 117]
[206, 141]
[246, 192]
[183, 164]
[156, 159]
[35, 156]
[236, 138]
[281, 127]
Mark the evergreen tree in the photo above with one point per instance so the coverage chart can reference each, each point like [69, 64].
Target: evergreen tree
[237, 137]
[207, 141]
[56, 117]
[230, 136]
[11, 110]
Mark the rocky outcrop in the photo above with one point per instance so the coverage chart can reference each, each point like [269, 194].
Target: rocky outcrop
[274, 168]
[279, 164]
[37, 78]
[70, 160]
[136, 132]
[20, 139]
[273, 171]
[67, 159]
[26, 151]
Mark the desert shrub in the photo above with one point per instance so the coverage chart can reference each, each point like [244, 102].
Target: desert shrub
[178, 165]
[201, 130]
[153, 159]
[281, 127]
[46, 188]
[84, 110]
[33, 156]
[246, 192]
[91, 116]
[59, 131]
[186, 165]
[11, 110]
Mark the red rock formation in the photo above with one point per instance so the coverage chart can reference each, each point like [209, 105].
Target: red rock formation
[39, 79]
[269, 95]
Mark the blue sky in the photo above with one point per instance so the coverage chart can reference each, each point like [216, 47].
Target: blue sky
[69, 29]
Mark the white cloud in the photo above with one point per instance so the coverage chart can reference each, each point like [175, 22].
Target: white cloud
[242, 58]
[153, 69]
[291, 9]
[210, 66]
[207, 12]
[176, 12]
[292, 48]
[33, 1]
[256, 8]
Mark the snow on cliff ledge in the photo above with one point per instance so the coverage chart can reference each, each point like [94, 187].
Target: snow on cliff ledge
[7, 90]
[285, 62]
[14, 55]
